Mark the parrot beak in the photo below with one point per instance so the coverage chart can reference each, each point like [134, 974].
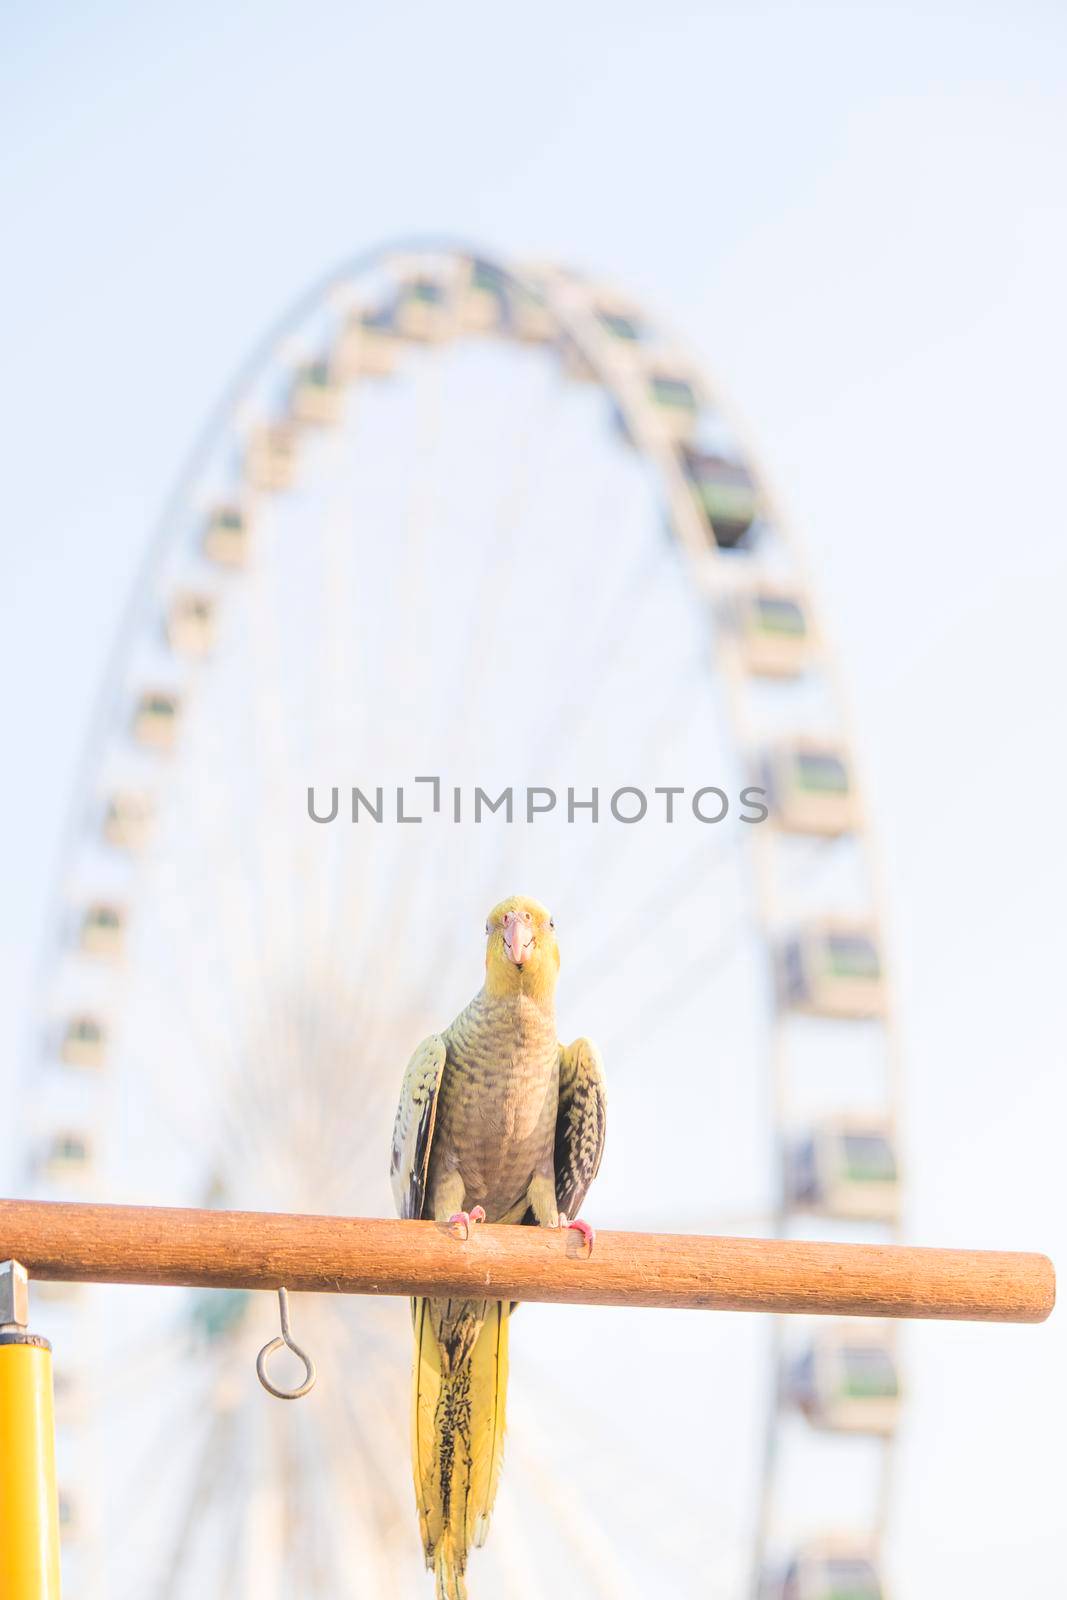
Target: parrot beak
[518, 938]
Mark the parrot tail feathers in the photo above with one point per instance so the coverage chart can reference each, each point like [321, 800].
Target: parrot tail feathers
[458, 1416]
[450, 1584]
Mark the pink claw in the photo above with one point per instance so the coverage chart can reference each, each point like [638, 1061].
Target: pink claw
[464, 1219]
[587, 1232]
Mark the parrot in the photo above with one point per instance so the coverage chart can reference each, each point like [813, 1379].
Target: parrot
[497, 1122]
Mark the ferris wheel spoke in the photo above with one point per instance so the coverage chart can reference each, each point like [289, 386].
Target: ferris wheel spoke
[279, 883]
[496, 643]
[592, 872]
[576, 713]
[322, 1550]
[357, 1431]
[383, 1513]
[388, 958]
[412, 580]
[514, 1548]
[498, 571]
[247, 1109]
[662, 902]
[360, 1331]
[693, 978]
[498, 577]
[243, 1566]
[189, 1036]
[175, 1056]
[594, 1553]
[349, 926]
[182, 1419]
[207, 1480]
[188, 993]
[345, 703]
[137, 1363]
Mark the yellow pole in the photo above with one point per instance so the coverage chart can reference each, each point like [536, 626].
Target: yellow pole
[29, 1509]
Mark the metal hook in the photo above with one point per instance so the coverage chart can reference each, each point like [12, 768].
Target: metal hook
[285, 1338]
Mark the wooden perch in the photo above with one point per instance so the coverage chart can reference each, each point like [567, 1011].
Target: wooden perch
[357, 1255]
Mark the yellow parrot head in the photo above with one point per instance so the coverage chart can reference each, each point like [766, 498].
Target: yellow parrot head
[521, 950]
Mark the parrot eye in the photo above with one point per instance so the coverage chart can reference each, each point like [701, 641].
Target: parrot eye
[552, 922]
[487, 927]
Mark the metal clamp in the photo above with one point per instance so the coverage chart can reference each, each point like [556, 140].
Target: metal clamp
[14, 1297]
[285, 1338]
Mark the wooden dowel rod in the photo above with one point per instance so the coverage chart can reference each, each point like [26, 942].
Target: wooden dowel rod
[358, 1255]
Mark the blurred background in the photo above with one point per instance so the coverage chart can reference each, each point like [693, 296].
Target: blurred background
[853, 219]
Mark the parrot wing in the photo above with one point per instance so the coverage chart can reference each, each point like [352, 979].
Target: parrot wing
[413, 1128]
[580, 1122]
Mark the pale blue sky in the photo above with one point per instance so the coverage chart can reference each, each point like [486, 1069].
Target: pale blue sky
[855, 214]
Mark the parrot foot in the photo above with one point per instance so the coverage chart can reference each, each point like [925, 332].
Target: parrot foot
[463, 1220]
[587, 1232]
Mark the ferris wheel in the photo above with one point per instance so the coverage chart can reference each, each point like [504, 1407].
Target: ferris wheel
[461, 530]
